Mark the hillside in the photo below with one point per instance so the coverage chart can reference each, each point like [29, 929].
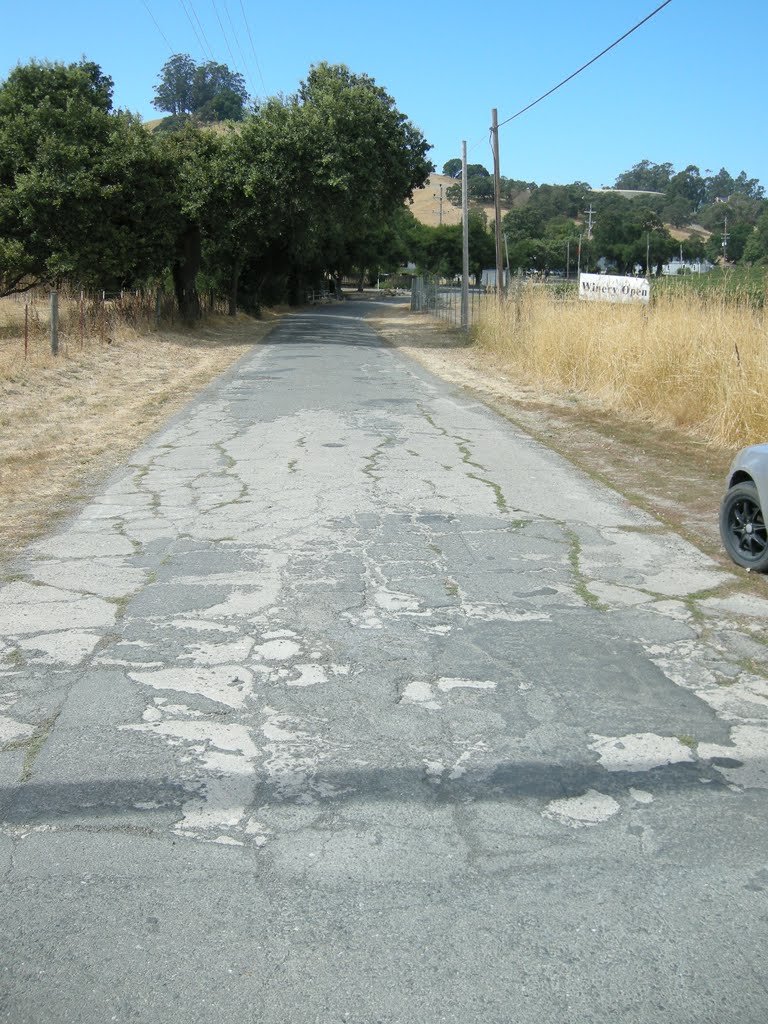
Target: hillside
[426, 203]
[426, 208]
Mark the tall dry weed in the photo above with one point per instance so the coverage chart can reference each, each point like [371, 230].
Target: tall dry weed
[696, 362]
[86, 324]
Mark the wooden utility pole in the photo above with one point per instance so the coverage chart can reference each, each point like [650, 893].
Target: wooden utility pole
[590, 213]
[440, 213]
[465, 241]
[497, 201]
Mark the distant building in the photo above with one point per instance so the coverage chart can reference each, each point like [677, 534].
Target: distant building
[678, 266]
[628, 193]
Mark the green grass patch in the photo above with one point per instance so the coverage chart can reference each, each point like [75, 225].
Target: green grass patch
[574, 558]
[730, 284]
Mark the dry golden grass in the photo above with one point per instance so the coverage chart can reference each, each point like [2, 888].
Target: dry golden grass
[425, 206]
[693, 362]
[67, 421]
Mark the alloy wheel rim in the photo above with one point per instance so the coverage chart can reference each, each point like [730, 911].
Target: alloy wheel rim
[748, 529]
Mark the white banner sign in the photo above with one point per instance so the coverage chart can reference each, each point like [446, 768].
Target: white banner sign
[610, 288]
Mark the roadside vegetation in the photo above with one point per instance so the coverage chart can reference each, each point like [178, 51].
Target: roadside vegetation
[747, 283]
[695, 359]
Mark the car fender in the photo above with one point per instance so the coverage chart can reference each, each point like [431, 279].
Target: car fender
[752, 461]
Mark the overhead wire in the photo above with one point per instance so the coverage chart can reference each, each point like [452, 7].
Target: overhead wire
[588, 64]
[202, 30]
[200, 36]
[236, 37]
[253, 48]
[575, 73]
[154, 21]
[224, 35]
[189, 19]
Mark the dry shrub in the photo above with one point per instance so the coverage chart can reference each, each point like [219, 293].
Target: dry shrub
[696, 361]
[86, 322]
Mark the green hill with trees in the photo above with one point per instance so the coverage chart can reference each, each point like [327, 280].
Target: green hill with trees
[651, 211]
[202, 92]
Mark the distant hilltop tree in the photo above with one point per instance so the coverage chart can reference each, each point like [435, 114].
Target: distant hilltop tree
[453, 169]
[207, 91]
[480, 184]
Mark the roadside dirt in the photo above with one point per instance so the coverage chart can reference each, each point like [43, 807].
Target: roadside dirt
[66, 425]
[674, 477]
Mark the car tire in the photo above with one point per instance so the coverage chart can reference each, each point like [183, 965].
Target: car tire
[743, 529]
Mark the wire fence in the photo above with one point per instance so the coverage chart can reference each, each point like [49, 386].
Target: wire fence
[42, 322]
[435, 296]
[442, 299]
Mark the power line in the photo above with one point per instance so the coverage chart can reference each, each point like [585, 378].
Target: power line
[149, 12]
[253, 48]
[224, 34]
[585, 66]
[246, 69]
[189, 19]
[202, 30]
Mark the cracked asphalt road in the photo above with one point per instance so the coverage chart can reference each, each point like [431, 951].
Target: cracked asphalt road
[347, 701]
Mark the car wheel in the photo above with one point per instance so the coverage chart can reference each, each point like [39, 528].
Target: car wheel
[743, 529]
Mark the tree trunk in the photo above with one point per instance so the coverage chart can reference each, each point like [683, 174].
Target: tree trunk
[295, 288]
[185, 268]
[233, 283]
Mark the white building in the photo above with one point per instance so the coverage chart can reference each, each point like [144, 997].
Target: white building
[678, 266]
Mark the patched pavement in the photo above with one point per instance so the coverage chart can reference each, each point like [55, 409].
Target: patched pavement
[348, 701]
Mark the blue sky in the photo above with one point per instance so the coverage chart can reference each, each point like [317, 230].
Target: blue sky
[687, 87]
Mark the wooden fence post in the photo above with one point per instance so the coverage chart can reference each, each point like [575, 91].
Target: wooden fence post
[54, 322]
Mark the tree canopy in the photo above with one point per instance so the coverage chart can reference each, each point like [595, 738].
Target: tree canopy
[206, 91]
[306, 186]
[83, 191]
